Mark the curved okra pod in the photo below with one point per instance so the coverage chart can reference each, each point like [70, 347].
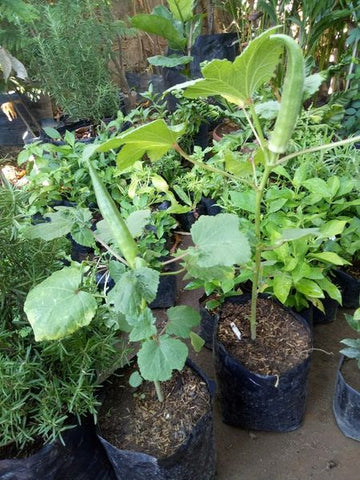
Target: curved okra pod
[292, 95]
[111, 214]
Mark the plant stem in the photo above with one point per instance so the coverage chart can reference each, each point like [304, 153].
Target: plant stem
[327, 146]
[110, 250]
[208, 167]
[258, 249]
[159, 392]
[175, 259]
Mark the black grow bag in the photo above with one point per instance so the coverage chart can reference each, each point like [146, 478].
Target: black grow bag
[260, 402]
[193, 460]
[346, 406]
[330, 310]
[208, 321]
[81, 458]
[350, 289]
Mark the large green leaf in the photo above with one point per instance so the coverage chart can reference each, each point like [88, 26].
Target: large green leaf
[218, 241]
[309, 288]
[329, 257]
[182, 319]
[237, 81]
[161, 26]
[332, 228]
[57, 307]
[144, 328]
[60, 224]
[157, 359]
[181, 9]
[131, 289]
[155, 139]
[137, 220]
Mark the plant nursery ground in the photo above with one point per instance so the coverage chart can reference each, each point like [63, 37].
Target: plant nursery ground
[317, 450]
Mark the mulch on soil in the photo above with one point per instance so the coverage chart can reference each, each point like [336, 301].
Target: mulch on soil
[134, 419]
[281, 342]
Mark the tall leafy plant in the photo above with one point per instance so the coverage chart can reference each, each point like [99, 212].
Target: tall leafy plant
[237, 82]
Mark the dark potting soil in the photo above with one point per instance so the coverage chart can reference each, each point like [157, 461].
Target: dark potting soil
[134, 419]
[281, 341]
[351, 373]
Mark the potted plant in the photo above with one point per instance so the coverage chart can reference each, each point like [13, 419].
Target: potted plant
[346, 402]
[49, 392]
[161, 350]
[237, 82]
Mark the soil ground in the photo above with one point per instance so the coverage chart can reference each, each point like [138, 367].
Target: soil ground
[317, 450]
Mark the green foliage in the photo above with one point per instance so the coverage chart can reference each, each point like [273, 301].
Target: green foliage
[178, 24]
[71, 68]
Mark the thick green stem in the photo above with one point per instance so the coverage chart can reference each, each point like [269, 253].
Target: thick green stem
[159, 392]
[258, 249]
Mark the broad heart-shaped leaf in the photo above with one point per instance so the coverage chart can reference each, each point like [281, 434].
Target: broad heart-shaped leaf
[161, 26]
[158, 359]
[169, 61]
[182, 319]
[329, 257]
[218, 241]
[56, 307]
[237, 81]
[144, 328]
[181, 9]
[131, 289]
[155, 138]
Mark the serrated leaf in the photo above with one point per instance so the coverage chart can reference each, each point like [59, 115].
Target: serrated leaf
[312, 84]
[329, 257]
[131, 289]
[135, 379]
[137, 221]
[157, 360]
[155, 139]
[57, 307]
[116, 269]
[237, 81]
[182, 319]
[218, 241]
[144, 327]
[196, 342]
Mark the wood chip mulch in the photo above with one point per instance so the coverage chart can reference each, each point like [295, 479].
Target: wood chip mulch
[281, 342]
[134, 419]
